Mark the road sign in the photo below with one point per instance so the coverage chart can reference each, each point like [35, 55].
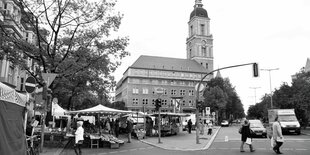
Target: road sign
[30, 84]
[208, 110]
[49, 78]
[213, 113]
[159, 90]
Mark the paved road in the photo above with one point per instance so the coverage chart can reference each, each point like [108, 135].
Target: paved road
[228, 142]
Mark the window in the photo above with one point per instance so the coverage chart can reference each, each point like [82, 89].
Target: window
[202, 29]
[207, 65]
[191, 30]
[153, 101]
[190, 103]
[182, 82]
[135, 101]
[173, 82]
[165, 91]
[173, 92]
[183, 103]
[163, 102]
[21, 84]
[190, 92]
[11, 75]
[145, 91]
[135, 91]
[145, 101]
[182, 92]
[204, 51]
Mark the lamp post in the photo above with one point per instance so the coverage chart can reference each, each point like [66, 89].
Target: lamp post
[254, 93]
[269, 70]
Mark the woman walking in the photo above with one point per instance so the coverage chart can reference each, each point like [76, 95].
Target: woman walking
[277, 135]
[245, 134]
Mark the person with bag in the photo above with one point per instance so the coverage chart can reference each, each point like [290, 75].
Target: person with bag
[79, 137]
[277, 136]
[246, 136]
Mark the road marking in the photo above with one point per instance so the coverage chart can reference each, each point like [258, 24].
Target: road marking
[287, 149]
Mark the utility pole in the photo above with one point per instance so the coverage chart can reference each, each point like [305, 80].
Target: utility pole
[269, 70]
[254, 93]
[255, 74]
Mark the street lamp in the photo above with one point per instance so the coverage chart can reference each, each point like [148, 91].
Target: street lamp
[269, 70]
[254, 93]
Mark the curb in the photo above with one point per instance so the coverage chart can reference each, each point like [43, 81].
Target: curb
[179, 149]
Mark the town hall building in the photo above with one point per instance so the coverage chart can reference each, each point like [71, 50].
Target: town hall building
[174, 77]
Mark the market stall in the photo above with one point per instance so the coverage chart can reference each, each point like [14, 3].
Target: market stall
[143, 124]
[97, 133]
[12, 115]
[170, 123]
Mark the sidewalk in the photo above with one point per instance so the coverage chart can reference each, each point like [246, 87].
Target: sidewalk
[305, 131]
[183, 141]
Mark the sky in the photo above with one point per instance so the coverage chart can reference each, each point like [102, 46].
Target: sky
[273, 33]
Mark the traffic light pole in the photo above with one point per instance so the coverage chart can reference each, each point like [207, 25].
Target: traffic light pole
[197, 93]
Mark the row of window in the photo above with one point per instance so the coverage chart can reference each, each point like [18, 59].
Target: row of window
[164, 102]
[160, 73]
[182, 92]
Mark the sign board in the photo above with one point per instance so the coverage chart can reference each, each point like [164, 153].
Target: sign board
[30, 84]
[49, 78]
[159, 90]
[208, 110]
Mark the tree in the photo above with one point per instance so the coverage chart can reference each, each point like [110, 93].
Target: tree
[221, 96]
[73, 40]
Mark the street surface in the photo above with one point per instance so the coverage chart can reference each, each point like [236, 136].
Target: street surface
[227, 141]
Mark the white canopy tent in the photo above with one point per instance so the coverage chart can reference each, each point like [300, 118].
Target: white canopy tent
[99, 109]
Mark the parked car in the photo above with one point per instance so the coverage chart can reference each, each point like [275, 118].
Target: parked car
[224, 123]
[258, 128]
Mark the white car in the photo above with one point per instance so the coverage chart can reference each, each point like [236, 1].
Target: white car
[224, 123]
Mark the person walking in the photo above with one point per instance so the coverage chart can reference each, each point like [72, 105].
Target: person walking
[245, 132]
[189, 125]
[79, 137]
[112, 124]
[116, 125]
[210, 128]
[129, 128]
[277, 135]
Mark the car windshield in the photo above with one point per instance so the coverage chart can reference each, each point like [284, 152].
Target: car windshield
[256, 124]
[287, 118]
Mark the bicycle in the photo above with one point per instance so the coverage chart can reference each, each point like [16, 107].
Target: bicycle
[33, 145]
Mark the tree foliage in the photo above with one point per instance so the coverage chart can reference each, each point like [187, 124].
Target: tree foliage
[295, 97]
[221, 96]
[73, 40]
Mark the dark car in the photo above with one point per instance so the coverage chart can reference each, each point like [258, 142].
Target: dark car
[258, 128]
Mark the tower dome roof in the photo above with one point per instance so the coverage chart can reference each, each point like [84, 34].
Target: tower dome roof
[200, 12]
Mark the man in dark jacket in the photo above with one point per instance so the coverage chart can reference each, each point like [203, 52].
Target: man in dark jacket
[189, 125]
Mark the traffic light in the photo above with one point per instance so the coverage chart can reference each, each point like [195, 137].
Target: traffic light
[255, 70]
[157, 104]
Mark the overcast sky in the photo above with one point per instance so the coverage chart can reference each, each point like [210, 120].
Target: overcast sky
[274, 33]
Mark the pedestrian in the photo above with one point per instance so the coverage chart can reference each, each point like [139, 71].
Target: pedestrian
[129, 128]
[246, 136]
[189, 125]
[210, 128]
[107, 125]
[79, 137]
[112, 124]
[116, 127]
[277, 135]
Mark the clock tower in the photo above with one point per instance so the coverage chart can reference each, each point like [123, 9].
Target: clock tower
[199, 44]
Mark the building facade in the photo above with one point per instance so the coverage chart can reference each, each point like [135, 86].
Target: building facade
[11, 20]
[175, 78]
